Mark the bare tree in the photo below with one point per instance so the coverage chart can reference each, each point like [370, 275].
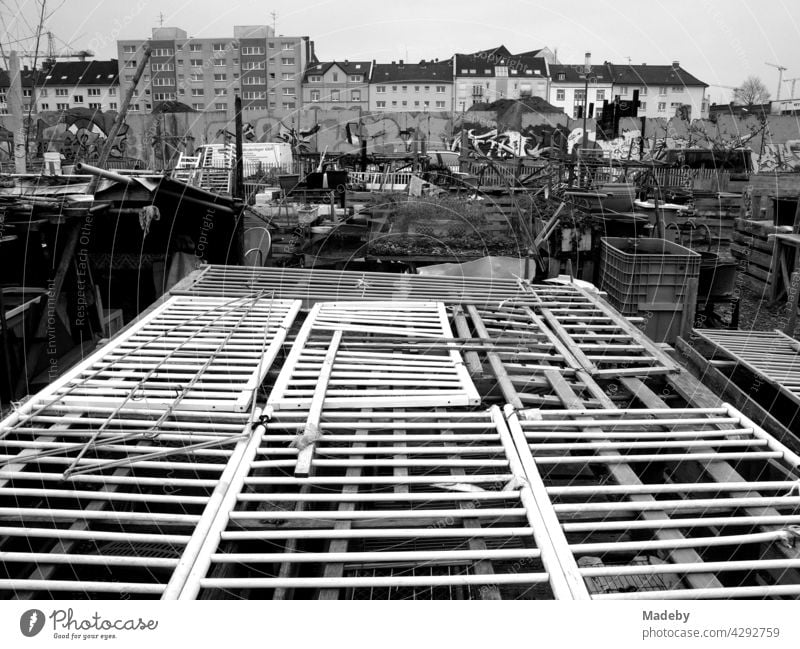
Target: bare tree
[752, 91]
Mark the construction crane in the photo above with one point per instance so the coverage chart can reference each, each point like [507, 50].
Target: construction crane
[781, 70]
[49, 57]
[792, 81]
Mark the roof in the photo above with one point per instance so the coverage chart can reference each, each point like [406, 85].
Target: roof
[435, 71]
[573, 73]
[524, 105]
[82, 73]
[482, 64]
[653, 75]
[348, 67]
[27, 79]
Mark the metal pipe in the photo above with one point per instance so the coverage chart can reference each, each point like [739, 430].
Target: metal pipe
[103, 173]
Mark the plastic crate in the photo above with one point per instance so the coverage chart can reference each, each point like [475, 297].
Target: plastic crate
[640, 272]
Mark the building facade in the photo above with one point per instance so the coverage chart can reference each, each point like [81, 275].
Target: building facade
[664, 90]
[402, 87]
[337, 84]
[487, 76]
[207, 73]
[568, 88]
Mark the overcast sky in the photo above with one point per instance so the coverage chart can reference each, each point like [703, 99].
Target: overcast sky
[720, 42]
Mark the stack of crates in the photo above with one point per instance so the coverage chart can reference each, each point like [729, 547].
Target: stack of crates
[648, 278]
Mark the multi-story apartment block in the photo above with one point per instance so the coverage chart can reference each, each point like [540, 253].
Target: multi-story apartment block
[568, 88]
[423, 86]
[664, 90]
[207, 73]
[337, 84]
[489, 75]
[27, 83]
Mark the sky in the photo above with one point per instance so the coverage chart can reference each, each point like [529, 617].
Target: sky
[720, 42]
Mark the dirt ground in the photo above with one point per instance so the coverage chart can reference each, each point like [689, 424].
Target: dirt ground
[756, 314]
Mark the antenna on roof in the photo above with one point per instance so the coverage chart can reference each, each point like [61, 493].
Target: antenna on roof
[629, 59]
[161, 19]
[274, 15]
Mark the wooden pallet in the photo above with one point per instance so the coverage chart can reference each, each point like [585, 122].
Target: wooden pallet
[374, 354]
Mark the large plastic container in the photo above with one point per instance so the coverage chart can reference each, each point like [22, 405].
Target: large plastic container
[640, 272]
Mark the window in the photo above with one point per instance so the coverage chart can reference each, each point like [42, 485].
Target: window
[95, 106]
[251, 51]
[580, 95]
[78, 99]
[197, 92]
[218, 47]
[221, 77]
[255, 94]
[662, 90]
[219, 63]
[576, 110]
[288, 46]
[220, 106]
[287, 61]
[195, 47]
[129, 49]
[27, 92]
[643, 91]
[196, 63]
[416, 103]
[623, 91]
[219, 92]
[112, 92]
[45, 107]
[255, 65]
[355, 95]
[662, 107]
[601, 95]
[62, 106]
[272, 104]
[130, 64]
[440, 89]
[43, 92]
[163, 96]
[198, 106]
[439, 104]
[112, 105]
[163, 67]
[677, 89]
[314, 78]
[272, 46]
[195, 76]
[405, 88]
[562, 76]
[287, 76]
[315, 95]
[354, 78]
[380, 104]
[335, 76]
[380, 89]
[394, 88]
[426, 103]
[405, 103]
[254, 81]
[334, 95]
[288, 105]
[675, 104]
[163, 81]
[560, 94]
[643, 105]
[289, 91]
[501, 71]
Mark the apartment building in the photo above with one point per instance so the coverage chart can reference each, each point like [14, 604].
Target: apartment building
[400, 86]
[79, 84]
[207, 73]
[490, 75]
[27, 83]
[568, 87]
[337, 84]
[664, 90]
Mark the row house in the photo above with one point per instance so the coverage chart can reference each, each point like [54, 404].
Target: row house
[27, 83]
[491, 75]
[402, 87]
[343, 84]
[568, 88]
[207, 73]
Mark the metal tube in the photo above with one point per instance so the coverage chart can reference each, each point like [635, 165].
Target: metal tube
[82, 167]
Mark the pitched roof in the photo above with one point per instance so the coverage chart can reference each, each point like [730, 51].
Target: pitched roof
[82, 73]
[652, 75]
[27, 78]
[348, 67]
[482, 64]
[441, 71]
[573, 73]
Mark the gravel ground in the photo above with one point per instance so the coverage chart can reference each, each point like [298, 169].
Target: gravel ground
[755, 314]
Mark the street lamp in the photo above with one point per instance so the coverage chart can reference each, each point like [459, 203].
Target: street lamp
[586, 71]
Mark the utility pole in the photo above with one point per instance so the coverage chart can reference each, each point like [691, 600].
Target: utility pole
[16, 121]
[780, 69]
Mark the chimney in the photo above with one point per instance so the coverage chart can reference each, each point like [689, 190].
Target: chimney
[676, 64]
[401, 62]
